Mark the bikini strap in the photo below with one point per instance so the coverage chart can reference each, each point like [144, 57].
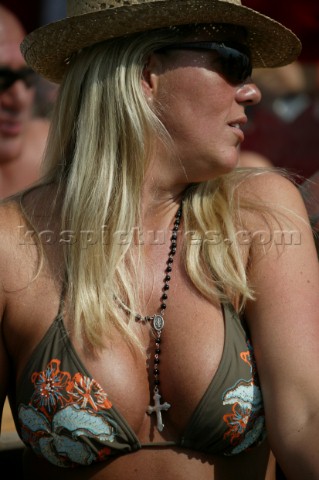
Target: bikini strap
[62, 297]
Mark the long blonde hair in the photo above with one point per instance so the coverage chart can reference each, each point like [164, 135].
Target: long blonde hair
[98, 153]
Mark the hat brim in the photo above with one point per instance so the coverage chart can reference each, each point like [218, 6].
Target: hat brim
[47, 48]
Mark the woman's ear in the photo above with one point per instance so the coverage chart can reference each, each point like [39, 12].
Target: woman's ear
[150, 76]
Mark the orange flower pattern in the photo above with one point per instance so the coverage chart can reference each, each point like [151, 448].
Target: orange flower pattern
[62, 411]
[246, 422]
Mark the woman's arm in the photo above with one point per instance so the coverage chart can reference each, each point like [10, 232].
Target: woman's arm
[284, 325]
[4, 368]
[10, 267]
[4, 360]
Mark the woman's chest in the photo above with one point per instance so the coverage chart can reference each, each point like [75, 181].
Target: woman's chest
[179, 364]
[189, 354]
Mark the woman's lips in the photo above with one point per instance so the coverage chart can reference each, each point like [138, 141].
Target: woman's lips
[238, 131]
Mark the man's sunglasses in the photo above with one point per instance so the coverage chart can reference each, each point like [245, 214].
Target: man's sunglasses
[232, 60]
[8, 77]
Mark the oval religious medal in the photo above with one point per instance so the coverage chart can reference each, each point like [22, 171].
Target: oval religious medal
[158, 323]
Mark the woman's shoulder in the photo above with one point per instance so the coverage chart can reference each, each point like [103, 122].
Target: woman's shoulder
[21, 216]
[31, 203]
[12, 252]
[271, 187]
[11, 218]
[271, 199]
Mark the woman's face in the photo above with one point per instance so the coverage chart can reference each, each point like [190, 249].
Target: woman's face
[202, 110]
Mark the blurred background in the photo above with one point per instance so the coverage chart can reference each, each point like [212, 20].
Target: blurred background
[285, 126]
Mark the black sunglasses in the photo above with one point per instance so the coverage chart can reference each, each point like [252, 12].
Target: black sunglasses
[232, 60]
[8, 77]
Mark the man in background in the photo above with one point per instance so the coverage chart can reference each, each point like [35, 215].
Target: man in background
[22, 136]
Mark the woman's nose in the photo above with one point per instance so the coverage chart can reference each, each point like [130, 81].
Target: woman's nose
[248, 93]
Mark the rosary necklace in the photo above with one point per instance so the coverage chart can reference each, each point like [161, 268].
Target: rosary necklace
[157, 323]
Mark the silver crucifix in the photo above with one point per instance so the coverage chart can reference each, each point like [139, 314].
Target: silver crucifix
[157, 408]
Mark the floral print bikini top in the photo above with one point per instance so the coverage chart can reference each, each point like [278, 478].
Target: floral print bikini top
[65, 416]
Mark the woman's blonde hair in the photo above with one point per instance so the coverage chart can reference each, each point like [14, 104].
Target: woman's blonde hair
[98, 152]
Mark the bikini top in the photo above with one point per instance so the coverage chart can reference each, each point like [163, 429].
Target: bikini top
[65, 416]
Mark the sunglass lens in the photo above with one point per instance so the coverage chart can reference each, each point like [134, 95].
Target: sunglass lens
[8, 77]
[230, 60]
[235, 65]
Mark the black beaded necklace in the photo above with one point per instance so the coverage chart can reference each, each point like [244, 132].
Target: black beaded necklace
[157, 322]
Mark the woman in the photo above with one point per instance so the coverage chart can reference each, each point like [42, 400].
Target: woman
[140, 295]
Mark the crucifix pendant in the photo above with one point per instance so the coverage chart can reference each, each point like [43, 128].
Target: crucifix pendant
[157, 408]
[158, 325]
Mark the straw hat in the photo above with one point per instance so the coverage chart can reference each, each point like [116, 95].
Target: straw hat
[48, 48]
